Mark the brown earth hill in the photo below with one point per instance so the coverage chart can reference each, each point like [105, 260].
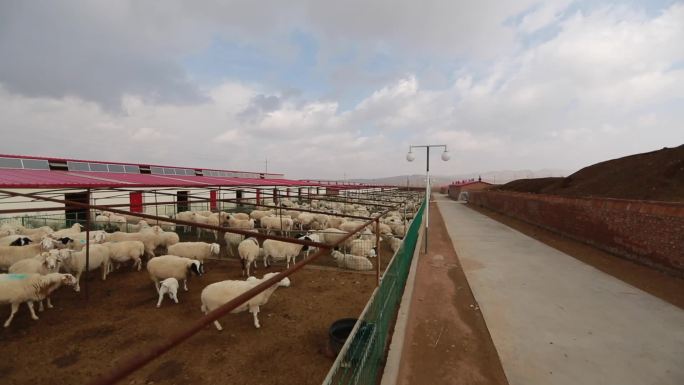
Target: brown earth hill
[656, 175]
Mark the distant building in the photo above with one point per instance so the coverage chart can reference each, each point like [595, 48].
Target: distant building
[458, 190]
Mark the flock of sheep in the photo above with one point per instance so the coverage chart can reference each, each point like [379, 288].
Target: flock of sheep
[34, 257]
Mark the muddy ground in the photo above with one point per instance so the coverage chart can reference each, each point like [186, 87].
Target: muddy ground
[447, 340]
[80, 339]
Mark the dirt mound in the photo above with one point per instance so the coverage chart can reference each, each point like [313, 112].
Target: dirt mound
[656, 175]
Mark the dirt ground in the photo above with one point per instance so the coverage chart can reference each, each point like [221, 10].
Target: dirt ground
[447, 340]
[659, 284]
[80, 339]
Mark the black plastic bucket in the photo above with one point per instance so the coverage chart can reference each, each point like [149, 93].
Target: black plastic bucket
[338, 333]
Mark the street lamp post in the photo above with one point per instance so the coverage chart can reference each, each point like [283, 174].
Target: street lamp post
[410, 157]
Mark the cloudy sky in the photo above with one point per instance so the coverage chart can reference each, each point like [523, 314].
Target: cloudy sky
[326, 89]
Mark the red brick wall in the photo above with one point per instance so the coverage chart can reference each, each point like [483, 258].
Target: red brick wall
[649, 232]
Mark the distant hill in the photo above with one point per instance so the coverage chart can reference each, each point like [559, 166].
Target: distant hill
[495, 177]
[656, 175]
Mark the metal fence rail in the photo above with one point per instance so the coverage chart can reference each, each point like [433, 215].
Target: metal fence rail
[362, 357]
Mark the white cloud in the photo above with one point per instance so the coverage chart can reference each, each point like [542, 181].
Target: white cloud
[608, 84]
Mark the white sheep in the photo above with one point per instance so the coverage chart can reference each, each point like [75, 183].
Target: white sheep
[276, 223]
[35, 234]
[151, 237]
[165, 225]
[78, 241]
[187, 216]
[363, 247]
[43, 264]
[335, 222]
[240, 223]
[9, 255]
[74, 262]
[395, 243]
[168, 286]
[219, 293]
[68, 232]
[258, 214]
[16, 289]
[353, 262]
[124, 251]
[172, 266]
[195, 250]
[304, 220]
[248, 250]
[399, 230]
[101, 221]
[240, 216]
[279, 250]
[168, 238]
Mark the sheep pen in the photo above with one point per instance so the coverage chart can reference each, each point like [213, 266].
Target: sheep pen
[121, 319]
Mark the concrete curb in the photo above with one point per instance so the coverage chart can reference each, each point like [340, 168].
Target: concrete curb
[393, 364]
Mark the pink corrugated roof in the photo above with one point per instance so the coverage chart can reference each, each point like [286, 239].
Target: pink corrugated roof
[14, 178]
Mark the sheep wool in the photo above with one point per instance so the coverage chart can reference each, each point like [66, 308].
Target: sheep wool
[219, 293]
[172, 266]
[195, 250]
[352, 262]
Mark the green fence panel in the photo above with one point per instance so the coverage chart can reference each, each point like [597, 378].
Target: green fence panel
[363, 360]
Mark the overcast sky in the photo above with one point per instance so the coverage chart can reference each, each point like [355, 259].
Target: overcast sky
[325, 88]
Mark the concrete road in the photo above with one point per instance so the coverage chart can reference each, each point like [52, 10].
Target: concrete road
[556, 320]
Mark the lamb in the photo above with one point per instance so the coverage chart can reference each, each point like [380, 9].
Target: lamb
[168, 286]
[43, 264]
[125, 251]
[12, 254]
[279, 223]
[279, 250]
[195, 250]
[217, 294]
[75, 262]
[16, 289]
[172, 266]
[71, 231]
[352, 262]
[248, 251]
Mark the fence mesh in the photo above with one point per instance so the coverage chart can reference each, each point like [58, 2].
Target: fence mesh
[363, 360]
